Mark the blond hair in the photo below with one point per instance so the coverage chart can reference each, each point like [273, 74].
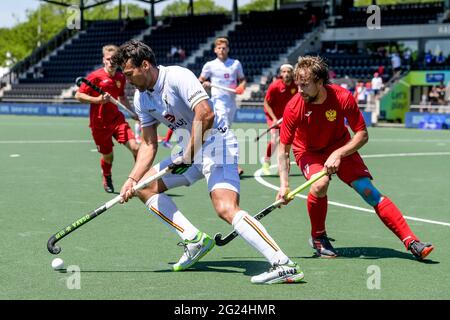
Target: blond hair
[110, 48]
[316, 67]
[221, 40]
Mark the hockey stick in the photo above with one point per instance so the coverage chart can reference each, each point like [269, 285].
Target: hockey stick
[275, 125]
[81, 80]
[223, 88]
[51, 243]
[223, 241]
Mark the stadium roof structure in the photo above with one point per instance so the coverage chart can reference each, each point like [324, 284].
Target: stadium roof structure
[87, 4]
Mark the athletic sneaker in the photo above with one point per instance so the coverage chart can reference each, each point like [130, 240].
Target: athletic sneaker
[420, 250]
[323, 247]
[166, 144]
[280, 273]
[107, 184]
[194, 250]
[266, 168]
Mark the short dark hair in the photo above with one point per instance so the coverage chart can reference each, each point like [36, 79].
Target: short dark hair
[136, 51]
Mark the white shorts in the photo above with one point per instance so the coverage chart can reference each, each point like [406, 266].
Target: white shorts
[225, 110]
[218, 176]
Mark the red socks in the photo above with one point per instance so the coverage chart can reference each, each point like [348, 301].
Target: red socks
[394, 220]
[269, 151]
[317, 209]
[106, 167]
[168, 135]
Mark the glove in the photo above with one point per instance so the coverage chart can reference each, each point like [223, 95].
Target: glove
[179, 167]
[240, 89]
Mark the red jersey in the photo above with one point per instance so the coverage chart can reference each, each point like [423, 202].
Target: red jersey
[278, 95]
[105, 115]
[321, 127]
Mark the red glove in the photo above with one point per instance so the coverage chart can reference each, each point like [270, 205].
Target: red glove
[240, 89]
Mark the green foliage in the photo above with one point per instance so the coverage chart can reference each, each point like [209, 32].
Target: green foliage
[180, 8]
[111, 11]
[23, 38]
[257, 5]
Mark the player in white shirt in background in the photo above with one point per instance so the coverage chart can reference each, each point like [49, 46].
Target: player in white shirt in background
[226, 72]
[174, 96]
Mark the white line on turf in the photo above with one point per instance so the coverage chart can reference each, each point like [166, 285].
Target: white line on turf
[44, 141]
[14, 155]
[259, 179]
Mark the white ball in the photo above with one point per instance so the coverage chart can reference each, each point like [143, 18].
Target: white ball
[57, 264]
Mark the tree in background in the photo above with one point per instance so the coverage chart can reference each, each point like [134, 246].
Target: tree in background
[257, 5]
[180, 8]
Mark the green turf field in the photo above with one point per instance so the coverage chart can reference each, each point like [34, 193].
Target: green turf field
[51, 176]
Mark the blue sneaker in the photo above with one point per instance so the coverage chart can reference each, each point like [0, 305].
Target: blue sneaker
[166, 144]
[420, 250]
[323, 246]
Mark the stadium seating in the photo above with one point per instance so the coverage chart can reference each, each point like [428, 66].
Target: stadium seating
[400, 14]
[260, 39]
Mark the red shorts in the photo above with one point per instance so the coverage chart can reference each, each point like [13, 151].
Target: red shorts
[351, 168]
[103, 136]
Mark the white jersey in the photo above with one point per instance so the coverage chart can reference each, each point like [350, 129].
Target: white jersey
[226, 74]
[176, 93]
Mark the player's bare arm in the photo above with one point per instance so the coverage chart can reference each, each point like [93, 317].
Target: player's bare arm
[270, 111]
[144, 160]
[241, 87]
[355, 143]
[283, 170]
[205, 82]
[203, 121]
[126, 103]
[85, 98]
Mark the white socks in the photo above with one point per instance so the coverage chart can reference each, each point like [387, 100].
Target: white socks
[162, 206]
[252, 231]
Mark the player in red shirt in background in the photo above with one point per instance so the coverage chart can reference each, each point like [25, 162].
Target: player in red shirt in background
[313, 124]
[106, 121]
[278, 95]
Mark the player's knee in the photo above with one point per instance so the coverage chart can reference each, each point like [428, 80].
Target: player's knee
[367, 191]
[320, 188]
[225, 211]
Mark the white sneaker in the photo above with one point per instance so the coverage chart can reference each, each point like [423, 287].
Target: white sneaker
[194, 250]
[280, 273]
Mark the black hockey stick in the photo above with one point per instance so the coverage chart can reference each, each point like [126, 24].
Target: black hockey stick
[80, 80]
[223, 241]
[51, 243]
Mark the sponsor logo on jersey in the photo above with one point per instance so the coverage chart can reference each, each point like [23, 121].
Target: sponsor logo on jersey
[331, 115]
[226, 75]
[308, 113]
[194, 95]
[170, 117]
[180, 123]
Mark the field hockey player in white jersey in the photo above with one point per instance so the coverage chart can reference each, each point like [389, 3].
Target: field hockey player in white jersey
[174, 97]
[223, 72]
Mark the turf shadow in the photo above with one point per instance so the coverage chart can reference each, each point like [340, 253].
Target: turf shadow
[250, 267]
[373, 253]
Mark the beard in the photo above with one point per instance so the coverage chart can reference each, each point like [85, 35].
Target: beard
[310, 99]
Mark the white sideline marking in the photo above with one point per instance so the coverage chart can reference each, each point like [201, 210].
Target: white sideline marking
[44, 141]
[259, 179]
[417, 154]
[14, 155]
